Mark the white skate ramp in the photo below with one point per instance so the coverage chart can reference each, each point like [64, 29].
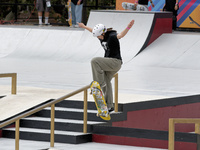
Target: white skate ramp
[71, 45]
[57, 57]
[169, 66]
[174, 51]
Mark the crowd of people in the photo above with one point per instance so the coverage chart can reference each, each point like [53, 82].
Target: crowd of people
[77, 7]
[45, 6]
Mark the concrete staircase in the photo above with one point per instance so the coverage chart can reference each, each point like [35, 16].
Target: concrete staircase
[68, 124]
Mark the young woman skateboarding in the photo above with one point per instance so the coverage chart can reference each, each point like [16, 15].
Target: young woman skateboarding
[104, 68]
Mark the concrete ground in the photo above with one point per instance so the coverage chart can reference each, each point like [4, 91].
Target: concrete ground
[9, 144]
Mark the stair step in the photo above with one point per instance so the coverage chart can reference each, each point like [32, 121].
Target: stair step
[46, 131]
[79, 104]
[60, 120]
[71, 109]
[69, 113]
[60, 124]
[44, 135]
[76, 104]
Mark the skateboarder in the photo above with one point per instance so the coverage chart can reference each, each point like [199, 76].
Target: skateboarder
[104, 68]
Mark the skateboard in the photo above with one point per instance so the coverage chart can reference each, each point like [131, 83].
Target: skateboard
[99, 101]
[69, 12]
[131, 6]
[192, 21]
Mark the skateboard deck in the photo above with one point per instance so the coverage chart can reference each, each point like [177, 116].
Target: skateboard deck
[69, 13]
[99, 101]
[131, 6]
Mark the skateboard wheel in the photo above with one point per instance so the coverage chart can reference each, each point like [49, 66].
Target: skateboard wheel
[97, 115]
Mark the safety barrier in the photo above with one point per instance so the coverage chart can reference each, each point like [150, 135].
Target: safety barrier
[14, 81]
[52, 105]
[173, 121]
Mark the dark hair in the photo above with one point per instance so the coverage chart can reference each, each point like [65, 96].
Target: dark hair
[110, 29]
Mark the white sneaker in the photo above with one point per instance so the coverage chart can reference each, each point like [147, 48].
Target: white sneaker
[76, 26]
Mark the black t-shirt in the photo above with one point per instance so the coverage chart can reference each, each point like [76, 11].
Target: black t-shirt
[170, 4]
[143, 2]
[111, 45]
[75, 2]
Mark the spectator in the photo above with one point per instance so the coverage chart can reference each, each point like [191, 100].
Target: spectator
[43, 5]
[173, 6]
[77, 7]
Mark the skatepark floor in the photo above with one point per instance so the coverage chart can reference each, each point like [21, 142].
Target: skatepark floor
[149, 84]
[8, 144]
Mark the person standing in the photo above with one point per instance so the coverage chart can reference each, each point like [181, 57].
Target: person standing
[41, 6]
[104, 68]
[173, 6]
[76, 7]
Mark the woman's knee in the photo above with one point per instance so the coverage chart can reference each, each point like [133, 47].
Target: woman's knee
[95, 60]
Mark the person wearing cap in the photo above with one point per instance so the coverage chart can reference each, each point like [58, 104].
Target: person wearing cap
[104, 68]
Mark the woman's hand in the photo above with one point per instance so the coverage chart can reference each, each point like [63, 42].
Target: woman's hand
[130, 24]
[81, 25]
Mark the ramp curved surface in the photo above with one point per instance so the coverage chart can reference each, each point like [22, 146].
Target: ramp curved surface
[169, 66]
[60, 58]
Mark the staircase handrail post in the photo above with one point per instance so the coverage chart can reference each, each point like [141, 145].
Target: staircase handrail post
[85, 112]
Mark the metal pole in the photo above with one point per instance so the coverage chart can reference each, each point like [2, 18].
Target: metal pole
[171, 135]
[197, 128]
[97, 5]
[85, 112]
[116, 92]
[17, 135]
[14, 83]
[52, 124]
[15, 9]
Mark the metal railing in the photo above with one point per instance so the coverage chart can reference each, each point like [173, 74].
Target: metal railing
[14, 81]
[52, 105]
[173, 121]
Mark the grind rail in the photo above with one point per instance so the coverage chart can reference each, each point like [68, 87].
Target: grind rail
[173, 121]
[52, 105]
[14, 81]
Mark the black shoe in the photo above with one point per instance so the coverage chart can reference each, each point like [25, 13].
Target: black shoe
[111, 109]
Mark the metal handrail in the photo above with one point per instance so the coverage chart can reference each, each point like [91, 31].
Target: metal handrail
[14, 81]
[52, 104]
[173, 121]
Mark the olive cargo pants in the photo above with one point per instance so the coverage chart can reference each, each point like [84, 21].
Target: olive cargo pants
[103, 70]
